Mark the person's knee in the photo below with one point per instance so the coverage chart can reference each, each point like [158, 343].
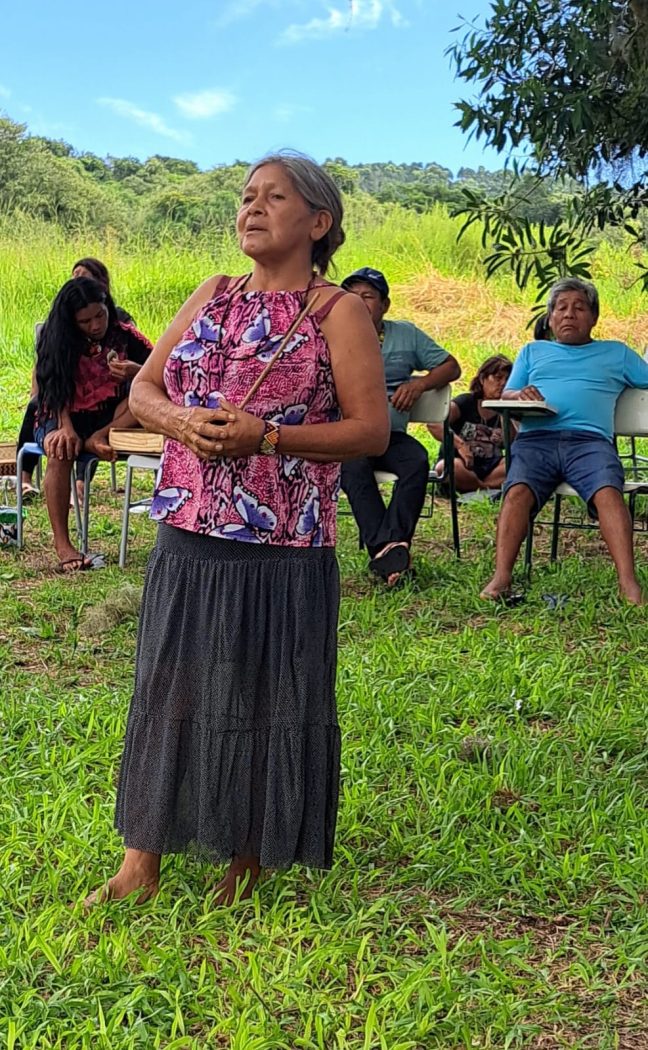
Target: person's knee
[520, 497]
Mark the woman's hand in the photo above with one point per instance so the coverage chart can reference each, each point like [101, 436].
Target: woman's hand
[226, 431]
[97, 445]
[123, 370]
[63, 443]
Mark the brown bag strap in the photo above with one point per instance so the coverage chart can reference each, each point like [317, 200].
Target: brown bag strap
[319, 315]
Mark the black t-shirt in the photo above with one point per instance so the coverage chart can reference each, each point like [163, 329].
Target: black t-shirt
[484, 435]
[469, 413]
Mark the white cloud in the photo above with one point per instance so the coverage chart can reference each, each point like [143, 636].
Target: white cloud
[287, 110]
[4, 91]
[204, 104]
[143, 117]
[236, 11]
[359, 14]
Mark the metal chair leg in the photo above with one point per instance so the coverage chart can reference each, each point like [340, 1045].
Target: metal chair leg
[75, 503]
[556, 526]
[113, 477]
[123, 543]
[87, 481]
[528, 551]
[19, 499]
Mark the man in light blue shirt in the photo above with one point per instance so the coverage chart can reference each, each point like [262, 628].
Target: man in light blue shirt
[387, 531]
[581, 378]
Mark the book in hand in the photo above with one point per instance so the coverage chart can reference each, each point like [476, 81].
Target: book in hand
[134, 439]
[522, 408]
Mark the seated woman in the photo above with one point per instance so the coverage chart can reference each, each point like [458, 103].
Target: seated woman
[86, 359]
[478, 437]
[98, 271]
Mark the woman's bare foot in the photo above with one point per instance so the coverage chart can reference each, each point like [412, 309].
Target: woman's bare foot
[238, 882]
[139, 871]
[632, 593]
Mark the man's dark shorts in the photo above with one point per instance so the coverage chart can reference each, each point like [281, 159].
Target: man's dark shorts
[542, 459]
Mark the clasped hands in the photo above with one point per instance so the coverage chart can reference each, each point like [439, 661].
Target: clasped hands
[225, 431]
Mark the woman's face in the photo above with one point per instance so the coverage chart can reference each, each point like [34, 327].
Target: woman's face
[80, 271]
[493, 385]
[92, 320]
[274, 221]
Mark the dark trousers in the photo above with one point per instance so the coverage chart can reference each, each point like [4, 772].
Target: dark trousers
[27, 435]
[379, 525]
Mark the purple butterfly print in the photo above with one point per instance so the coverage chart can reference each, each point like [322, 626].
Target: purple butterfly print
[317, 537]
[206, 329]
[291, 416]
[259, 329]
[271, 345]
[288, 464]
[168, 501]
[257, 517]
[193, 399]
[235, 532]
[189, 351]
[309, 517]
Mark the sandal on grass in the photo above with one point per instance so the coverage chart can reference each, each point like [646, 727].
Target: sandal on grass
[394, 559]
[508, 599]
[29, 493]
[81, 563]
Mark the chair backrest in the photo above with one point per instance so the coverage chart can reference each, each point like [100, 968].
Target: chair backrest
[631, 414]
[433, 406]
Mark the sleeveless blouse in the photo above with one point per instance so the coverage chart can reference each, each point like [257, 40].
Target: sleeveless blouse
[277, 499]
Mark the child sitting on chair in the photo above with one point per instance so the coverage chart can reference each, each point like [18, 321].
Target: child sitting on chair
[86, 359]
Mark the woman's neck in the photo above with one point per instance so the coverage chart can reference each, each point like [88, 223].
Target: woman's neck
[280, 277]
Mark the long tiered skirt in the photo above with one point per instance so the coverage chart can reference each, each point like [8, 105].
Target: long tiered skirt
[232, 744]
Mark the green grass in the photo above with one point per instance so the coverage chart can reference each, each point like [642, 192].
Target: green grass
[480, 898]
[487, 893]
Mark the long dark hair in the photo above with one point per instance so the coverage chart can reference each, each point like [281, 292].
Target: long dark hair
[98, 270]
[496, 365]
[61, 342]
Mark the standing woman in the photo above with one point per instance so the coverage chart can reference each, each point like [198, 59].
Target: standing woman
[232, 746]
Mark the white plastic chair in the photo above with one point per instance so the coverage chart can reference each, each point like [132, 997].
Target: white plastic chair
[133, 462]
[433, 406]
[630, 420]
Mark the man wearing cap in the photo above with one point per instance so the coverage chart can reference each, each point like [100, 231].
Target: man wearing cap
[387, 532]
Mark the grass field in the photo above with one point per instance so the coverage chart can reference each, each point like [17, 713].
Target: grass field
[490, 884]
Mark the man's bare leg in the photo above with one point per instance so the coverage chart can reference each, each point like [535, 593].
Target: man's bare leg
[512, 527]
[616, 530]
[140, 870]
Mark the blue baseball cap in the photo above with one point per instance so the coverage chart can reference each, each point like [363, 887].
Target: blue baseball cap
[370, 276]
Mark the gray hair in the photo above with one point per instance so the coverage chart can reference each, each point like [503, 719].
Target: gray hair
[320, 193]
[574, 284]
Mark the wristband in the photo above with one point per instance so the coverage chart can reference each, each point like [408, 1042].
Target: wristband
[270, 439]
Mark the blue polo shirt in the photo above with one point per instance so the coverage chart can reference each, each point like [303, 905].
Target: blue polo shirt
[406, 349]
[581, 382]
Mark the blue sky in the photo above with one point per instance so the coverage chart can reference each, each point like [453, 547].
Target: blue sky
[225, 80]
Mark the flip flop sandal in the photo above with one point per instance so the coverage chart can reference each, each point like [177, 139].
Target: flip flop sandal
[29, 493]
[396, 560]
[81, 563]
[508, 599]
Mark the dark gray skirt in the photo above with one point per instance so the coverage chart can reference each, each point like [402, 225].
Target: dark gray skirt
[232, 744]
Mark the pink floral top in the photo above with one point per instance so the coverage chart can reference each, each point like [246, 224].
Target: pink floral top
[257, 499]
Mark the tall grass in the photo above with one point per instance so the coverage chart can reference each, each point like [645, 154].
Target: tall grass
[152, 281]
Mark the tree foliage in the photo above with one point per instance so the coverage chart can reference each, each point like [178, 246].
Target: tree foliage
[566, 83]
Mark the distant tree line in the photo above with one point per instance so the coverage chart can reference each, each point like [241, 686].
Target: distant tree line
[50, 180]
